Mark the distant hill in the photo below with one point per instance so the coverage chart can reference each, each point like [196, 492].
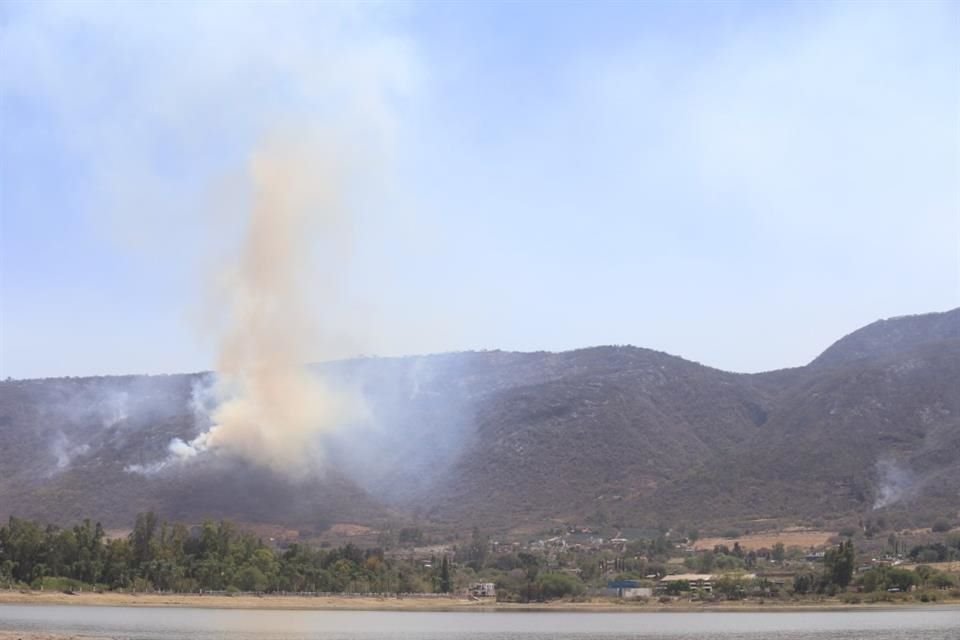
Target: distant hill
[891, 337]
[522, 441]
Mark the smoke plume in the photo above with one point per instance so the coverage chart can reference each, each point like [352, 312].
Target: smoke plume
[270, 407]
[895, 483]
[201, 86]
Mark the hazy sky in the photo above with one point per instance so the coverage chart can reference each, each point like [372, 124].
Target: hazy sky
[736, 183]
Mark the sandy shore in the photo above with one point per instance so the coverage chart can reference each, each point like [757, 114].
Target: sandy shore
[334, 603]
[29, 635]
[237, 602]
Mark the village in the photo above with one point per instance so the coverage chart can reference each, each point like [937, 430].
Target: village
[668, 566]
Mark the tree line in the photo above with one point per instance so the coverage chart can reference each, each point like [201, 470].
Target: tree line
[213, 557]
[218, 556]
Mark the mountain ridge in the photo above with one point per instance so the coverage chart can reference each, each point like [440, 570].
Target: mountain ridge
[515, 441]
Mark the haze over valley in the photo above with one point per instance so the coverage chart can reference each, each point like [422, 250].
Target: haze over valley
[517, 443]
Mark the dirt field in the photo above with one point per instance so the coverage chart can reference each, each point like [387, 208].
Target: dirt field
[348, 530]
[804, 538]
[948, 567]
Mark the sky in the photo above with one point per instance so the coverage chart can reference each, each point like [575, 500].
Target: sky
[739, 184]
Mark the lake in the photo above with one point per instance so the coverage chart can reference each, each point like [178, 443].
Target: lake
[934, 623]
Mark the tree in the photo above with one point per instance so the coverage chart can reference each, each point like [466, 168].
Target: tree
[732, 587]
[475, 554]
[706, 562]
[936, 552]
[158, 555]
[941, 526]
[676, 587]
[141, 538]
[410, 536]
[901, 579]
[840, 564]
[804, 583]
[941, 580]
[953, 541]
[251, 578]
[924, 571]
[559, 585]
[445, 586]
[779, 553]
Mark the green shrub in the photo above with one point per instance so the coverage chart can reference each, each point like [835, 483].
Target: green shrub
[50, 583]
[953, 541]
[559, 585]
[941, 580]
[940, 526]
[882, 596]
[141, 585]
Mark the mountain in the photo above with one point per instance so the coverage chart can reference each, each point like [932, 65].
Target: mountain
[892, 337]
[68, 444]
[521, 441]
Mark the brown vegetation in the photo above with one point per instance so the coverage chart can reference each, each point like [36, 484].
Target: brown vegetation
[796, 538]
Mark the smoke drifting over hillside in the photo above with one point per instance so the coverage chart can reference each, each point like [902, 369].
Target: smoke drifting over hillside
[209, 95]
[271, 408]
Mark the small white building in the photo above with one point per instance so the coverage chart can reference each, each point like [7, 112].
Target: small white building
[483, 590]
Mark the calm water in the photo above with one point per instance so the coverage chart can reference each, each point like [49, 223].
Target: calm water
[941, 623]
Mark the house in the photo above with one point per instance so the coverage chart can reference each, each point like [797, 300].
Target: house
[627, 589]
[483, 590]
[697, 581]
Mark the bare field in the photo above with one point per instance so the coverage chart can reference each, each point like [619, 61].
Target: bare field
[804, 538]
[349, 530]
[948, 567]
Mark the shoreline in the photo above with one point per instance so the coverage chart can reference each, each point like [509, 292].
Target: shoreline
[453, 604]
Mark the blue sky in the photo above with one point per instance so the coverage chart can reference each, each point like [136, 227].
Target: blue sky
[736, 183]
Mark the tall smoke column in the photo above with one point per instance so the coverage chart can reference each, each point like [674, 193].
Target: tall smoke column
[271, 407]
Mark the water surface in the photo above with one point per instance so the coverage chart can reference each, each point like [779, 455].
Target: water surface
[176, 623]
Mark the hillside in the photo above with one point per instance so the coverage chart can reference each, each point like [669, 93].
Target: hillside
[892, 337]
[517, 441]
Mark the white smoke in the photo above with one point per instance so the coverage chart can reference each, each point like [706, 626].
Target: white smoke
[178, 451]
[115, 409]
[65, 452]
[895, 483]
